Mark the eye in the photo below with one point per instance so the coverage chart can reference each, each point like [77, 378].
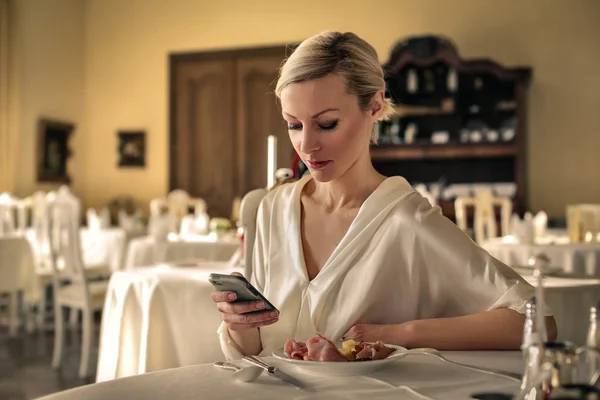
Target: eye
[294, 127]
[328, 127]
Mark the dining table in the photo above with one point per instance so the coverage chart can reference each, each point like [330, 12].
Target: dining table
[576, 258]
[413, 377]
[159, 317]
[148, 250]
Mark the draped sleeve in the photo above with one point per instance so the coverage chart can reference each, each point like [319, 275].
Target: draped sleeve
[471, 280]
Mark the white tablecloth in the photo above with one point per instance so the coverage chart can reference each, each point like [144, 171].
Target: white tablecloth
[157, 318]
[570, 300]
[148, 251]
[425, 375]
[578, 258]
[100, 247]
[163, 317]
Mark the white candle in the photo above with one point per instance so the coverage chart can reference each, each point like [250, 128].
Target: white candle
[271, 160]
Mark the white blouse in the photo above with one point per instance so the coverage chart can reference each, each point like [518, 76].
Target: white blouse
[400, 260]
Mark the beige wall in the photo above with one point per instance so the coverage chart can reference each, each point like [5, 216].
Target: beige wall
[126, 77]
[48, 39]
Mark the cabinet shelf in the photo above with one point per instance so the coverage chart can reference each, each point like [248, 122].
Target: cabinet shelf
[430, 151]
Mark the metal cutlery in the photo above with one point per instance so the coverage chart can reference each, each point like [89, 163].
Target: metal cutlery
[273, 371]
[247, 374]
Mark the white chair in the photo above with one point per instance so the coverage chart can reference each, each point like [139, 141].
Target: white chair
[248, 210]
[68, 266]
[161, 221]
[422, 189]
[484, 220]
[158, 207]
[17, 273]
[178, 202]
[125, 211]
[8, 207]
[583, 222]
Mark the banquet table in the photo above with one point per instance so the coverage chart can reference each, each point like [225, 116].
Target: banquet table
[157, 318]
[582, 259]
[146, 250]
[411, 378]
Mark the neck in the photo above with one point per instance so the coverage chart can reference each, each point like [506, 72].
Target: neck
[351, 189]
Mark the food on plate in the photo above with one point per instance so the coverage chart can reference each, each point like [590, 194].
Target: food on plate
[319, 348]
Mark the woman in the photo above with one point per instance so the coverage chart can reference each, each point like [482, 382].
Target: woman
[350, 253]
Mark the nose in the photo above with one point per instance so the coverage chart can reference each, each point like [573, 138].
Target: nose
[310, 141]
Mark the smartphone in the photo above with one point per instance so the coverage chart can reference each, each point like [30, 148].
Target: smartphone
[241, 287]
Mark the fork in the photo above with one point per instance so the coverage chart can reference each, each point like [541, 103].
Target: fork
[436, 353]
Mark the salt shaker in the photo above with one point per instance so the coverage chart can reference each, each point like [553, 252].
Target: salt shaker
[536, 371]
[540, 264]
[531, 335]
[593, 336]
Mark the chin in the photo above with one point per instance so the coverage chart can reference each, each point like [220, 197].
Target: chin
[323, 176]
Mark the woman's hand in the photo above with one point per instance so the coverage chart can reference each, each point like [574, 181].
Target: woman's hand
[369, 333]
[241, 316]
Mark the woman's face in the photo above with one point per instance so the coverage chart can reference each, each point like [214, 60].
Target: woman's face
[327, 128]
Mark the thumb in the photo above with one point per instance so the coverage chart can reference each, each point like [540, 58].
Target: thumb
[237, 274]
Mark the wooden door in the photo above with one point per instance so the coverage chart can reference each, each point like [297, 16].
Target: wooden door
[203, 160]
[258, 116]
[223, 108]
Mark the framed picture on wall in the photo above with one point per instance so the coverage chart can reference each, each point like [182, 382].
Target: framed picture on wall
[132, 148]
[53, 150]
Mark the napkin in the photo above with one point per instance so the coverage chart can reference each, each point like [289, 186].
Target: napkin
[161, 225]
[97, 221]
[523, 230]
[130, 223]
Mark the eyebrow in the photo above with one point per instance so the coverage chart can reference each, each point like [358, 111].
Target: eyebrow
[317, 114]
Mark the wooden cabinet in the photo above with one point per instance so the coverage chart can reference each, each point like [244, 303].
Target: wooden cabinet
[459, 122]
[222, 109]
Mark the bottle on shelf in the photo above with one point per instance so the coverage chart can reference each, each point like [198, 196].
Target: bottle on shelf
[395, 131]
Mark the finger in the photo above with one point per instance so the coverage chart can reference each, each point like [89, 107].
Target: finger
[249, 318]
[220, 297]
[351, 334]
[242, 327]
[240, 307]
[237, 274]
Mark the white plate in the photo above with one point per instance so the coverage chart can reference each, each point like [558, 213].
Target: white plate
[333, 368]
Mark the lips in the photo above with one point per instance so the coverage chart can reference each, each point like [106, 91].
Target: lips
[317, 164]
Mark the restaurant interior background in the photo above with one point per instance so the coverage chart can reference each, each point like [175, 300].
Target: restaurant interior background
[103, 64]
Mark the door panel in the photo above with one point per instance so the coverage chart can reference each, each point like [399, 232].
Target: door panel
[204, 158]
[259, 115]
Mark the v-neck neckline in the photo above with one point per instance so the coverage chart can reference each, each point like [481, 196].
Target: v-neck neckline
[297, 226]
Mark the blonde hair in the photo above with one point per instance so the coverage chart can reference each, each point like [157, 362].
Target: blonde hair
[345, 54]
